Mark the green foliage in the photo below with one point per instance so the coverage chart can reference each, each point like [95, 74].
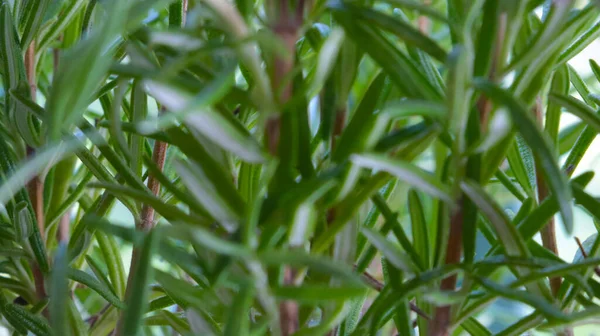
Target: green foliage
[214, 167]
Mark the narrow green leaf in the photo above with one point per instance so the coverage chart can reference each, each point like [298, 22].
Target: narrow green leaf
[95, 285]
[239, 320]
[508, 235]
[24, 321]
[540, 146]
[559, 85]
[407, 33]
[390, 251]
[420, 233]
[227, 209]
[210, 241]
[59, 292]
[365, 124]
[535, 301]
[522, 165]
[328, 55]
[166, 210]
[311, 294]
[112, 258]
[581, 43]
[409, 108]
[85, 65]
[207, 121]
[315, 263]
[414, 176]
[579, 109]
[401, 69]
[475, 328]
[137, 300]
[100, 274]
[23, 222]
[32, 20]
[52, 29]
[551, 27]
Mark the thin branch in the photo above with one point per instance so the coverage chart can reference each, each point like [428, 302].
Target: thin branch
[548, 233]
[378, 286]
[35, 187]
[286, 26]
[146, 222]
[441, 322]
[585, 255]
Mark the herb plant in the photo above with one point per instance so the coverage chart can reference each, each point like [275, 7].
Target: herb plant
[279, 167]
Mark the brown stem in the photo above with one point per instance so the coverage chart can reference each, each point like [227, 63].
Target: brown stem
[35, 187]
[441, 322]
[548, 233]
[146, 222]
[423, 21]
[286, 27]
[65, 220]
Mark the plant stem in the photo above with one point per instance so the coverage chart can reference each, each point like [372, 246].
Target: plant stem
[146, 222]
[286, 27]
[35, 187]
[441, 322]
[548, 233]
[159, 154]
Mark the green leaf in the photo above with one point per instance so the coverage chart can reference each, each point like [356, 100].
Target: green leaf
[390, 251]
[32, 167]
[113, 261]
[95, 285]
[137, 299]
[100, 274]
[578, 108]
[475, 328]
[559, 85]
[400, 28]
[82, 70]
[226, 206]
[551, 27]
[32, 20]
[199, 116]
[522, 166]
[401, 69]
[59, 292]
[312, 294]
[536, 302]
[580, 43]
[540, 146]
[313, 262]
[209, 240]
[410, 174]
[166, 210]
[328, 55]
[239, 321]
[508, 235]
[24, 320]
[366, 124]
[418, 225]
[409, 108]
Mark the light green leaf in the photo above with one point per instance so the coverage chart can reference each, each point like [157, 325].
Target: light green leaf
[390, 251]
[59, 292]
[540, 146]
[578, 108]
[137, 300]
[207, 121]
[414, 176]
[312, 294]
